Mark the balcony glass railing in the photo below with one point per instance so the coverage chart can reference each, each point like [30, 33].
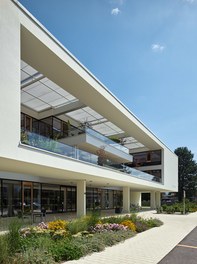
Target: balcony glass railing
[48, 144]
[106, 140]
[41, 142]
[57, 129]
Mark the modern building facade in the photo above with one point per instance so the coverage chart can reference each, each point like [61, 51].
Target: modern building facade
[67, 143]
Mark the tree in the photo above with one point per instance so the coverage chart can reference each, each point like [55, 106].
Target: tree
[187, 173]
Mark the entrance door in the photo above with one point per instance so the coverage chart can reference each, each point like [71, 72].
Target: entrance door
[27, 197]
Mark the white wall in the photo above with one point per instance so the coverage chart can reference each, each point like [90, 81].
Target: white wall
[170, 171]
[9, 78]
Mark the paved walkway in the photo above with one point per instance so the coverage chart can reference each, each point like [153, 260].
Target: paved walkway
[184, 252]
[148, 247]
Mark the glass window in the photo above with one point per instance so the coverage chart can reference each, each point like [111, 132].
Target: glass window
[89, 198]
[147, 158]
[117, 198]
[51, 198]
[63, 199]
[11, 198]
[27, 197]
[93, 198]
[71, 199]
[37, 197]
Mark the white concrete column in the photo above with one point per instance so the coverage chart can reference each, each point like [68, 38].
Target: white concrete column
[81, 198]
[126, 199]
[152, 200]
[136, 198]
[158, 199]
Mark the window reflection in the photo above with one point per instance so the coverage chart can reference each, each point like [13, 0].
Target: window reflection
[147, 158]
[11, 198]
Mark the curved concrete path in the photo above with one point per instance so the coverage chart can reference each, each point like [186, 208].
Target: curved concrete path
[147, 247]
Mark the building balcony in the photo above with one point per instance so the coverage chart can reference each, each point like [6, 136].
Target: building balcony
[90, 140]
[53, 146]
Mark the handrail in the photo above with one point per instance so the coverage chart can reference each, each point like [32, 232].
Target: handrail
[40, 142]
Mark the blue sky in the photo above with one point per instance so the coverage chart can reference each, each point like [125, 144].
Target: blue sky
[144, 51]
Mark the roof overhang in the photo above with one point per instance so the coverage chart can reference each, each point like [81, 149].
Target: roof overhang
[49, 57]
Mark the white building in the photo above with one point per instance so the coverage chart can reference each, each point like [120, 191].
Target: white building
[57, 122]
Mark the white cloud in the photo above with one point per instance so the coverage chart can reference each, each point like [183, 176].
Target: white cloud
[157, 47]
[115, 11]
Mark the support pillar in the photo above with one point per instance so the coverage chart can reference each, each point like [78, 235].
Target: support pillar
[136, 198]
[158, 199]
[126, 199]
[81, 198]
[152, 200]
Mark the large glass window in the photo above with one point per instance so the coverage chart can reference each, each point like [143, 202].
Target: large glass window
[36, 197]
[117, 198]
[147, 158]
[63, 199]
[27, 197]
[93, 198]
[24, 196]
[51, 198]
[11, 198]
[105, 198]
[71, 199]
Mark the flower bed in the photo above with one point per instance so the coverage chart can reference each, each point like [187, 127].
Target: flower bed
[61, 240]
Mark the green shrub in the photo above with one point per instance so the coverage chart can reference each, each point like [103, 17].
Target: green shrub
[141, 226]
[154, 222]
[112, 220]
[177, 207]
[164, 206]
[14, 239]
[99, 241]
[66, 249]
[159, 210]
[4, 249]
[78, 225]
[92, 219]
[91, 244]
[170, 209]
[43, 242]
[113, 238]
[32, 256]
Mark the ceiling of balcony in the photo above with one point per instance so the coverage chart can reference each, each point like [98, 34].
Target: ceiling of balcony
[40, 94]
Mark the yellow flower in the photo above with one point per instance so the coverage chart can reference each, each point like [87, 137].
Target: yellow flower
[129, 224]
[57, 225]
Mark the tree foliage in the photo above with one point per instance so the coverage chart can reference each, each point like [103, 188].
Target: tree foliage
[187, 173]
